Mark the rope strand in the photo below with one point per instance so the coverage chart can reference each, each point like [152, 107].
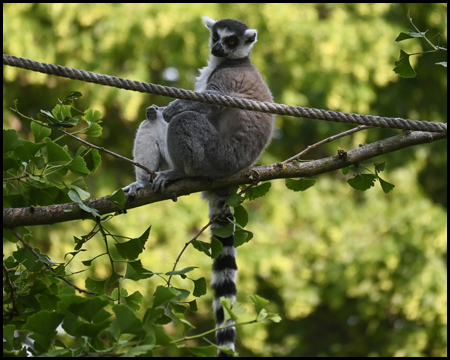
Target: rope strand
[228, 101]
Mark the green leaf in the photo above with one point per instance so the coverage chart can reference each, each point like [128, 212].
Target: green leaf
[387, 187]
[43, 197]
[162, 338]
[27, 150]
[97, 286]
[11, 140]
[127, 321]
[193, 305]
[232, 311]
[77, 194]
[46, 260]
[163, 294]
[114, 278]
[362, 182]
[299, 185]
[92, 115]
[61, 112]
[118, 293]
[91, 310]
[89, 209]
[410, 35]
[94, 130]
[403, 67]
[55, 153]
[132, 248]
[136, 272]
[258, 191]
[224, 231]
[140, 351]
[242, 236]
[241, 216]
[204, 351]
[40, 132]
[152, 315]
[180, 316]
[93, 160]
[202, 246]
[264, 316]
[225, 349]
[118, 198]
[234, 200]
[379, 167]
[43, 325]
[134, 300]
[46, 116]
[216, 248]
[8, 336]
[259, 302]
[199, 287]
[78, 167]
[27, 259]
[345, 170]
[182, 272]
[73, 95]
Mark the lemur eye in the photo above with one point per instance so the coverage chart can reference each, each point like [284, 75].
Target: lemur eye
[231, 42]
[215, 38]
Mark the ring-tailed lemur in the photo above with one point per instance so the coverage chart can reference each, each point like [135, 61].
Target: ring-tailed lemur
[212, 141]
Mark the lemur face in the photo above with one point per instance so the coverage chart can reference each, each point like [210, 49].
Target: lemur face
[230, 38]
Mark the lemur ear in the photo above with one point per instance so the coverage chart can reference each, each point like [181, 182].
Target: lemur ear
[250, 35]
[208, 22]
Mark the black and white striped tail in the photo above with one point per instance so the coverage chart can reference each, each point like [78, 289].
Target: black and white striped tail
[224, 267]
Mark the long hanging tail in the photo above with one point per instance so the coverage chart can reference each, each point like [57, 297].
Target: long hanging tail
[224, 267]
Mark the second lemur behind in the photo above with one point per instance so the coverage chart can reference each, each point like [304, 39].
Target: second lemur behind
[214, 141]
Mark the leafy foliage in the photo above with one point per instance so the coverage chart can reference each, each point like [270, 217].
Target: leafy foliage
[363, 182]
[403, 66]
[106, 322]
[43, 172]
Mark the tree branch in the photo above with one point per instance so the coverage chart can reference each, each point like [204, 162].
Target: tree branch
[58, 213]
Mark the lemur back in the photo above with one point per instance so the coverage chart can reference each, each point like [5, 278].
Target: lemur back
[215, 141]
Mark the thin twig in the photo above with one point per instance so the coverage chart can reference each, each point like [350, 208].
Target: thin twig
[186, 338]
[329, 139]
[151, 172]
[17, 235]
[13, 293]
[188, 243]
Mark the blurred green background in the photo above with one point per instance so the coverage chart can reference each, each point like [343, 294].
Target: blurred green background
[351, 273]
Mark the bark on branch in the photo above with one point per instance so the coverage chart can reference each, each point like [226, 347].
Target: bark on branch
[58, 213]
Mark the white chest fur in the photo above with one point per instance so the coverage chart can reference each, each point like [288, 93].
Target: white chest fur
[202, 81]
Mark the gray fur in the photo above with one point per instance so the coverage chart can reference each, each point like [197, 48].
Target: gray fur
[150, 149]
[214, 141]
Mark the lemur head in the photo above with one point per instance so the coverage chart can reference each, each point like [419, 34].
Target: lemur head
[230, 39]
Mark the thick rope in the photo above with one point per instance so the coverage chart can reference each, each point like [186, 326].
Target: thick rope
[267, 107]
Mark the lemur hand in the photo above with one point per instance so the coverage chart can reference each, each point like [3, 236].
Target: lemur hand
[176, 107]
